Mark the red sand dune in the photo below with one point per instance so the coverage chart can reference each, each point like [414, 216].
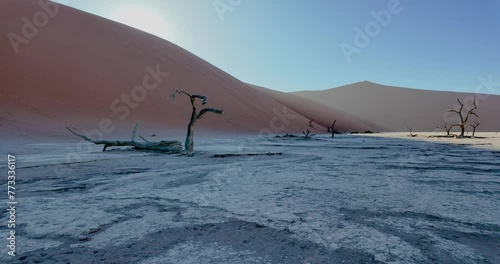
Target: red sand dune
[395, 108]
[88, 72]
[74, 70]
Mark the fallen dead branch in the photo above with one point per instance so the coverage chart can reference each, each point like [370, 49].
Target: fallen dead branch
[365, 132]
[287, 136]
[443, 136]
[172, 147]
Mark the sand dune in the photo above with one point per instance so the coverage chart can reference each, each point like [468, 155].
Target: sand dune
[395, 108]
[80, 69]
[88, 72]
[321, 114]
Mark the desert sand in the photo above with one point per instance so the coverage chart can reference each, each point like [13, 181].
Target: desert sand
[394, 109]
[75, 71]
[81, 69]
[363, 198]
[482, 140]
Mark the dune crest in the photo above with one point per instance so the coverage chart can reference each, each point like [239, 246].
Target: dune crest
[85, 71]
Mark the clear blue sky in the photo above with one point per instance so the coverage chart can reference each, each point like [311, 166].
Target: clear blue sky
[291, 45]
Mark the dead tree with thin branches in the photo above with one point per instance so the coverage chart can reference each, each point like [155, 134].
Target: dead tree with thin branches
[195, 116]
[474, 126]
[464, 118]
[332, 129]
[307, 134]
[446, 127]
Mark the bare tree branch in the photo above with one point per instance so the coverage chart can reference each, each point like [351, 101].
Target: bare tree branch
[145, 140]
[135, 129]
[165, 146]
[179, 92]
[205, 110]
[203, 98]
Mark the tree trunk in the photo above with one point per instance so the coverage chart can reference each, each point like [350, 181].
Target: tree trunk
[462, 128]
[189, 144]
[333, 128]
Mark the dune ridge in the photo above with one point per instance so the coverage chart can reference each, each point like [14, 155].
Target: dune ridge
[83, 70]
[393, 109]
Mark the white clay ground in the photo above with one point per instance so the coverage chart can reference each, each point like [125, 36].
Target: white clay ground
[353, 199]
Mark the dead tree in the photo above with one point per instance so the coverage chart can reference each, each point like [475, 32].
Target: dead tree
[464, 118]
[411, 133]
[195, 116]
[164, 146]
[474, 126]
[307, 134]
[332, 129]
[446, 128]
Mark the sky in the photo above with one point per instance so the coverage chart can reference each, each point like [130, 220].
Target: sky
[292, 45]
